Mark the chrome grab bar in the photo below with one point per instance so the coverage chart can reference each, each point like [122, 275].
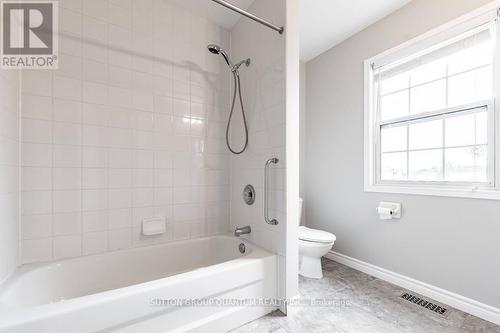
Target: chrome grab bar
[270, 161]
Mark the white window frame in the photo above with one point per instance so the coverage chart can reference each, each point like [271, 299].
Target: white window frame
[372, 182]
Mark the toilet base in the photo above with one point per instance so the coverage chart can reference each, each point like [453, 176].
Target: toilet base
[310, 267]
[310, 254]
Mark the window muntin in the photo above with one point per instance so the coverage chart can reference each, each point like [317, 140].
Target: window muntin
[433, 116]
[452, 147]
[458, 74]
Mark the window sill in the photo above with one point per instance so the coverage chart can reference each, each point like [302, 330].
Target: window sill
[439, 192]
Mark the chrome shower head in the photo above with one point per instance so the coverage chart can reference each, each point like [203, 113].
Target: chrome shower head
[216, 49]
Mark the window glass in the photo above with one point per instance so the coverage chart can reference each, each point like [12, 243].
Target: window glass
[470, 86]
[426, 165]
[428, 72]
[466, 164]
[395, 105]
[428, 134]
[469, 58]
[428, 97]
[395, 83]
[460, 131]
[394, 138]
[457, 74]
[481, 128]
[434, 114]
[393, 166]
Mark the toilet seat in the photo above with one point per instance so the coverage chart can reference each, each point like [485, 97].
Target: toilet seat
[317, 236]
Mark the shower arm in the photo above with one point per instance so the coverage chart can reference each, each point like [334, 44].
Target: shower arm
[280, 30]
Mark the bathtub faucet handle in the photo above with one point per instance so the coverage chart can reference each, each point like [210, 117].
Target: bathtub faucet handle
[242, 231]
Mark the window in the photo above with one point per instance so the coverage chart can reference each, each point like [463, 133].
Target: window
[430, 115]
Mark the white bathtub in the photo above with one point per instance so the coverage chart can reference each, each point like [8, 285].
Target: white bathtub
[115, 292]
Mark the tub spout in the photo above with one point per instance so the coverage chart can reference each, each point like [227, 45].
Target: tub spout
[242, 231]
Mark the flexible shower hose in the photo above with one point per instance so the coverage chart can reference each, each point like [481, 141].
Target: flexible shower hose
[237, 89]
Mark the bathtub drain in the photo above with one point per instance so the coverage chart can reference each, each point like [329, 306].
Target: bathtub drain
[242, 248]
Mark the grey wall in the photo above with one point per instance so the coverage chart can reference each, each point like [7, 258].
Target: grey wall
[302, 134]
[451, 243]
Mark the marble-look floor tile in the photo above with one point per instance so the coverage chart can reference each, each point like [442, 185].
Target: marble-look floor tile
[477, 325]
[383, 301]
[361, 303]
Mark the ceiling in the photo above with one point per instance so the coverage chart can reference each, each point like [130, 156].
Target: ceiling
[324, 23]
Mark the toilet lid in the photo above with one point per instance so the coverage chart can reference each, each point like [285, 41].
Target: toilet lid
[313, 235]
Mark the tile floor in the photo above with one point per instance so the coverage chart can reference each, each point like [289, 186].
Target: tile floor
[362, 304]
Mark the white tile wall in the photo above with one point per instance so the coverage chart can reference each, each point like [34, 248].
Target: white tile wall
[263, 86]
[9, 172]
[130, 126]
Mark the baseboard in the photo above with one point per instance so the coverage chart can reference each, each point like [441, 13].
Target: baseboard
[459, 302]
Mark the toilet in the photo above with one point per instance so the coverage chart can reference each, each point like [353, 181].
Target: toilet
[313, 244]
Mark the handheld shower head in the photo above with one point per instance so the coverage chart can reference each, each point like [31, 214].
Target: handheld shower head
[216, 49]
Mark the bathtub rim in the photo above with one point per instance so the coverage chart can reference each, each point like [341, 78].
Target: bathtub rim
[30, 267]
[19, 315]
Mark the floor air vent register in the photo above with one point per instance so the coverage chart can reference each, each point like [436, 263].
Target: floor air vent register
[425, 304]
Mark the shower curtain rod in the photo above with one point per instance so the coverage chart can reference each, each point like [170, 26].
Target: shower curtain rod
[251, 16]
